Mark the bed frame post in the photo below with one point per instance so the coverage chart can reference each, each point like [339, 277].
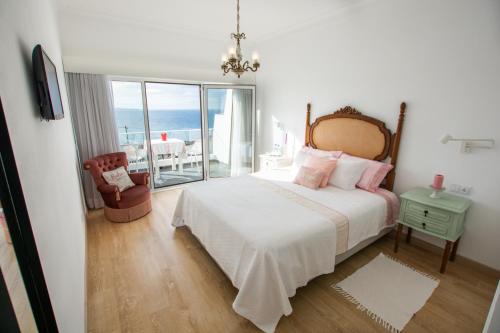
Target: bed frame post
[308, 125]
[395, 147]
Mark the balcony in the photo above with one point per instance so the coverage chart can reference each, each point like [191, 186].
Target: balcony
[176, 160]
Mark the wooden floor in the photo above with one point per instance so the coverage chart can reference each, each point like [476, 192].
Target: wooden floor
[145, 276]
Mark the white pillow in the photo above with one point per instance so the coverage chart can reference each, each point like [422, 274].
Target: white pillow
[118, 177]
[347, 173]
[305, 152]
[300, 159]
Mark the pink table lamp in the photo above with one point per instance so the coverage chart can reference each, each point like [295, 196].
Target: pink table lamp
[438, 182]
[437, 186]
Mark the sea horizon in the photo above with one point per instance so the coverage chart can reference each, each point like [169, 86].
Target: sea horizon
[130, 123]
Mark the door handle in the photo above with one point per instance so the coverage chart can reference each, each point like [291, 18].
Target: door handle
[426, 212]
[423, 225]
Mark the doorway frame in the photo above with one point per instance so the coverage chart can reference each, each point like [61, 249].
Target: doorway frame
[23, 240]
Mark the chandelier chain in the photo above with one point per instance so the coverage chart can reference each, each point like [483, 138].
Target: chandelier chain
[238, 17]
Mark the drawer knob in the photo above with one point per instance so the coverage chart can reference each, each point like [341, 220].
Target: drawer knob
[423, 225]
[426, 212]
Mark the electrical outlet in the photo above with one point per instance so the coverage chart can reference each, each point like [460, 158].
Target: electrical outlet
[460, 189]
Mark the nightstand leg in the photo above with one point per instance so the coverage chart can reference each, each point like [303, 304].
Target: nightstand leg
[454, 250]
[398, 233]
[408, 235]
[446, 255]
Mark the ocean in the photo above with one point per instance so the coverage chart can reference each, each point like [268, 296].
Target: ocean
[174, 122]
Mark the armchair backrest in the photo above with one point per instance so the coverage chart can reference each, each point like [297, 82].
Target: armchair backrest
[103, 163]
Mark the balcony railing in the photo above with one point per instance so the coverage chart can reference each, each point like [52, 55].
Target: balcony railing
[127, 137]
[134, 144]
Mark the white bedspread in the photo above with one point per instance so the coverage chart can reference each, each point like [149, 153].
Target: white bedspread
[268, 245]
[365, 211]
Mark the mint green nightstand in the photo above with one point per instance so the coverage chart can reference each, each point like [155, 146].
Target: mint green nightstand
[442, 217]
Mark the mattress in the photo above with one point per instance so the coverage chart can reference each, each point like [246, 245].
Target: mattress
[271, 236]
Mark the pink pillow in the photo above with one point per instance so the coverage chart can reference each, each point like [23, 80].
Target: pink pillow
[324, 165]
[309, 177]
[373, 175]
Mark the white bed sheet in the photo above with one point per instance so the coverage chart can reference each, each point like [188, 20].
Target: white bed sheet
[266, 244]
[366, 211]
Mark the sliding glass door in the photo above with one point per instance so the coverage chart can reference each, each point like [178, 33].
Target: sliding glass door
[180, 134]
[174, 122]
[230, 120]
[129, 115]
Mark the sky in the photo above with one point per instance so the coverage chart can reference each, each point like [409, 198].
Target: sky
[162, 96]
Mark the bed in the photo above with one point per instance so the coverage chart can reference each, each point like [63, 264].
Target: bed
[271, 236]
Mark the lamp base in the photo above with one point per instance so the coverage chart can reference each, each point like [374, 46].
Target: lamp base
[436, 193]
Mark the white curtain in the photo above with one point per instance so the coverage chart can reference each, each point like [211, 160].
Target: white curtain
[222, 130]
[241, 132]
[94, 124]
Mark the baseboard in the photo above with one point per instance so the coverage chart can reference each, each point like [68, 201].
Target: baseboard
[439, 250]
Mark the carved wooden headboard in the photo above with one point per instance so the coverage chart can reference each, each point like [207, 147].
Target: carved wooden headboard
[356, 134]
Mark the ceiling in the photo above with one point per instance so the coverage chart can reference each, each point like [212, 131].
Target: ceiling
[176, 38]
[214, 19]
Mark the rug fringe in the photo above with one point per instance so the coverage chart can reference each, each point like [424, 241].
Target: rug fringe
[410, 267]
[371, 314]
[360, 307]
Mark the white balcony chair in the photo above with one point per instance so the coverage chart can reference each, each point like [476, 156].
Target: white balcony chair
[131, 152]
[193, 151]
[134, 156]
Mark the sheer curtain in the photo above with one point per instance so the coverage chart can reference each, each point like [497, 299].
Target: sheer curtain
[94, 124]
[222, 130]
[241, 132]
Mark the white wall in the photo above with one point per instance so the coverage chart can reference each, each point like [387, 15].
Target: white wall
[441, 57]
[104, 45]
[46, 157]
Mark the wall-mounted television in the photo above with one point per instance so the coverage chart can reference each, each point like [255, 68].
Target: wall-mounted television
[47, 86]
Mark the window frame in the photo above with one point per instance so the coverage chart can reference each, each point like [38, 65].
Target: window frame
[204, 86]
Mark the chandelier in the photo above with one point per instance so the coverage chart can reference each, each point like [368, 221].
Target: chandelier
[234, 61]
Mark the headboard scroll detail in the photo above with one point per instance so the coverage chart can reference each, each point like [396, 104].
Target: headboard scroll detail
[350, 131]
[347, 110]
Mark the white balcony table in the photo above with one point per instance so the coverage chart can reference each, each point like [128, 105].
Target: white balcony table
[173, 147]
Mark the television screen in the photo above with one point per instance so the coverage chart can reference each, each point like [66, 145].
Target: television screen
[49, 96]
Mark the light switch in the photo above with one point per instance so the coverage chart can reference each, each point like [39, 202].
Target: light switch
[460, 189]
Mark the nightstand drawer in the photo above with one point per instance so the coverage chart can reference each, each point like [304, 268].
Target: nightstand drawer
[424, 223]
[430, 213]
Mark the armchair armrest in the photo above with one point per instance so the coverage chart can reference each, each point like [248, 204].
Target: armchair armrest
[109, 190]
[89, 164]
[140, 178]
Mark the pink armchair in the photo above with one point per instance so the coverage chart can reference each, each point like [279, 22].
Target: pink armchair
[125, 206]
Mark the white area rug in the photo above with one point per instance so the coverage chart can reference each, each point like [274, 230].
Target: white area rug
[389, 291]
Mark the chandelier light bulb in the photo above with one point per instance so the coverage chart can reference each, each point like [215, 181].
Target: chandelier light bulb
[224, 58]
[255, 57]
